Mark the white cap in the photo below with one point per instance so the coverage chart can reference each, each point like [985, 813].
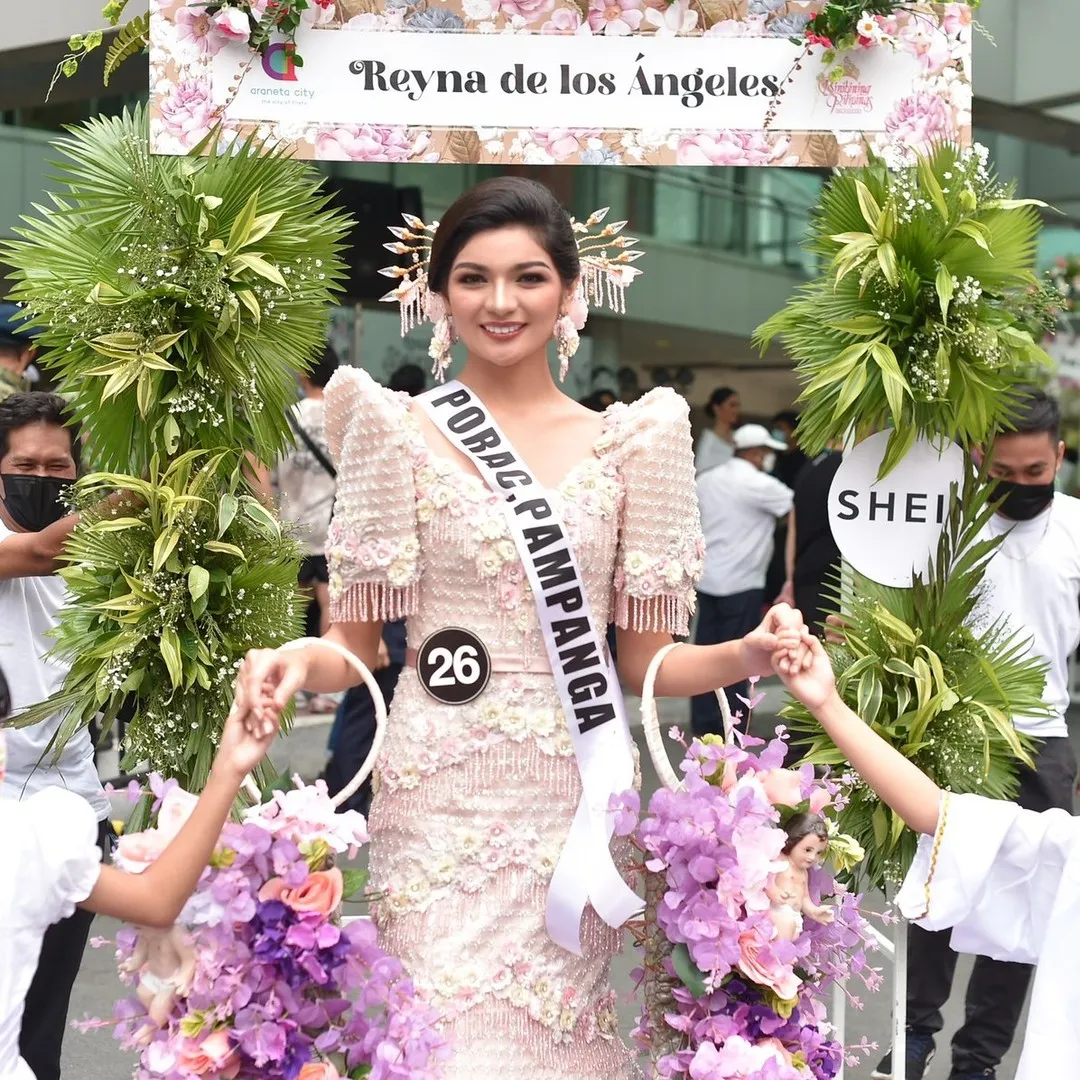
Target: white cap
[752, 436]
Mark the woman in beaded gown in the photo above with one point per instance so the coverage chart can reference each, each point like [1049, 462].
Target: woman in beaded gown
[473, 802]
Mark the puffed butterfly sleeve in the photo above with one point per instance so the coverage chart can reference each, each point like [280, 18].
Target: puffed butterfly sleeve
[60, 842]
[372, 547]
[993, 873]
[661, 547]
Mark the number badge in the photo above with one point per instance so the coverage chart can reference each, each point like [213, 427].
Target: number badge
[454, 666]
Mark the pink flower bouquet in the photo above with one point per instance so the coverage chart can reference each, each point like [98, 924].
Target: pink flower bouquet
[260, 980]
[727, 995]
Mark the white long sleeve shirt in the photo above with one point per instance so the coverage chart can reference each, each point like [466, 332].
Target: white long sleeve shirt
[739, 507]
[1007, 882]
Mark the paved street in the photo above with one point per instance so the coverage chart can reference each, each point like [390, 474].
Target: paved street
[96, 1057]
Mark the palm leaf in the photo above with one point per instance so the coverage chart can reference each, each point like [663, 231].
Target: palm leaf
[958, 367]
[122, 272]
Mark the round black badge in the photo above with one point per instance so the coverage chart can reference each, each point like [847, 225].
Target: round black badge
[454, 666]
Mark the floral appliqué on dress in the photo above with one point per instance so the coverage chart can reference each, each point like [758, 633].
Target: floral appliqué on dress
[473, 803]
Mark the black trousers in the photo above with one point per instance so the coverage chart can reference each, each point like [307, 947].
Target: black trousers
[723, 618]
[45, 1013]
[997, 989]
[355, 736]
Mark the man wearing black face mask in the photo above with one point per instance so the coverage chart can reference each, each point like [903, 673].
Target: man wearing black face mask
[37, 463]
[1033, 581]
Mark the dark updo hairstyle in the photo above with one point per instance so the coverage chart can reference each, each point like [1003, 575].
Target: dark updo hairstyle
[499, 203]
[719, 396]
[803, 825]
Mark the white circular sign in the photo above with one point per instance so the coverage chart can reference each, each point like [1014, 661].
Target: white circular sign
[889, 529]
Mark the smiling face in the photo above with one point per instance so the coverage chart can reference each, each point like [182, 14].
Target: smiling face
[39, 449]
[807, 852]
[505, 295]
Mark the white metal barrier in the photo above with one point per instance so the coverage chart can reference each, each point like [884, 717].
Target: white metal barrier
[896, 951]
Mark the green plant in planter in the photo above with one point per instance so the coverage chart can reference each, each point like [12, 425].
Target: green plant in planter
[924, 315]
[924, 321]
[934, 679]
[179, 297]
[171, 591]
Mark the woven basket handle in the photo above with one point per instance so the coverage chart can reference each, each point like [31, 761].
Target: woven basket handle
[650, 721]
[380, 718]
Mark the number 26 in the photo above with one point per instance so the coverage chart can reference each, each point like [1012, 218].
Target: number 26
[462, 660]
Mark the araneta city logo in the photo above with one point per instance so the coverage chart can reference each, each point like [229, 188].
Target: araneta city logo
[279, 62]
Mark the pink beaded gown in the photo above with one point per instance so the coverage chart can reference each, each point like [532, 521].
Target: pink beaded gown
[473, 802]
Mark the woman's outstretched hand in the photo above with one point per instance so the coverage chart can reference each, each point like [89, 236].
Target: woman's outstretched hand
[782, 633]
[809, 677]
[265, 685]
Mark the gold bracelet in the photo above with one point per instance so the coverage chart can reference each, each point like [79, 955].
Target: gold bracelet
[939, 836]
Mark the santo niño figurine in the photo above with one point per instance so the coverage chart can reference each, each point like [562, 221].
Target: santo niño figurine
[789, 891]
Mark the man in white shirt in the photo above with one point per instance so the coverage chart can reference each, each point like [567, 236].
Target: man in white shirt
[1033, 580]
[306, 481]
[37, 462]
[740, 504]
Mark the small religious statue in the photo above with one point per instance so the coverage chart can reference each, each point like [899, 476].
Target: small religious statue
[789, 890]
[164, 963]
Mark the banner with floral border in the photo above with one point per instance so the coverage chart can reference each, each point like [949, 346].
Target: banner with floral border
[186, 38]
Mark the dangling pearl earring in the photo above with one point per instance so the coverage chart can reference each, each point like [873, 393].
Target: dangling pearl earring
[443, 337]
[566, 341]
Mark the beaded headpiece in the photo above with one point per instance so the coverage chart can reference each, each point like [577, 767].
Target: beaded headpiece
[606, 256]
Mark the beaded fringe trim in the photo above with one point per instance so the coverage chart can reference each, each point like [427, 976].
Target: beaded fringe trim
[653, 614]
[375, 601]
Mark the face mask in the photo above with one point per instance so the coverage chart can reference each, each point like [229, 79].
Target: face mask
[1023, 502]
[769, 463]
[779, 436]
[34, 502]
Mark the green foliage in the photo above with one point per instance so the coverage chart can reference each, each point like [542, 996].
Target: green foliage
[133, 37]
[917, 666]
[179, 295]
[923, 319]
[838, 20]
[169, 587]
[690, 975]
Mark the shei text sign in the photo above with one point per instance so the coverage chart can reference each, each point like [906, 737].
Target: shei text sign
[889, 529]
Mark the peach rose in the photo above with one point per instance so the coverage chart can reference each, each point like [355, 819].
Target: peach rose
[779, 978]
[212, 1055]
[321, 892]
[272, 890]
[777, 1048]
[819, 799]
[783, 787]
[136, 851]
[176, 808]
[319, 1070]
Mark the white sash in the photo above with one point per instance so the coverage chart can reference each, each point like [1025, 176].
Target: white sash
[588, 686]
